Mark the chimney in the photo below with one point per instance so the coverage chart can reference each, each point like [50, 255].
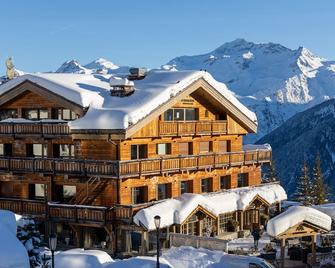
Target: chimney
[121, 87]
[137, 73]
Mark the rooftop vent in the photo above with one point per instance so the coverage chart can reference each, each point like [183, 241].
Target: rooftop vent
[137, 73]
[121, 87]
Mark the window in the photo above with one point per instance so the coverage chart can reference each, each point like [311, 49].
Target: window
[186, 187]
[168, 115]
[205, 147]
[206, 185]
[163, 148]
[69, 191]
[63, 150]
[242, 180]
[225, 182]
[139, 195]
[37, 150]
[64, 114]
[185, 148]
[181, 114]
[139, 151]
[37, 191]
[163, 191]
[224, 220]
[224, 146]
[35, 114]
[206, 113]
[190, 114]
[6, 149]
[8, 113]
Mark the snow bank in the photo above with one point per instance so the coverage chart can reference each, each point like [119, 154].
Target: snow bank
[176, 210]
[139, 262]
[188, 257]
[93, 91]
[12, 252]
[295, 215]
[80, 258]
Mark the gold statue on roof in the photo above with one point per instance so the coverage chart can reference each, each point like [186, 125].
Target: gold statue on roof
[11, 72]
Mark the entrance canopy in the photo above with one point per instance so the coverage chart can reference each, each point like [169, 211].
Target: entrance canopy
[298, 221]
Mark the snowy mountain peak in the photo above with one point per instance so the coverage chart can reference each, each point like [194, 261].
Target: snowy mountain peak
[271, 79]
[101, 63]
[72, 66]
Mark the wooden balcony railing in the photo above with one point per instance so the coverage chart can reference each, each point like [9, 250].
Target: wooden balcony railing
[181, 128]
[40, 128]
[132, 168]
[192, 162]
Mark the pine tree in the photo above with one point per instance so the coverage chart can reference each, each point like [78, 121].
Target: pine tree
[272, 177]
[320, 189]
[303, 192]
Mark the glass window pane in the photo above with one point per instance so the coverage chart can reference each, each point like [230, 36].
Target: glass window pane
[178, 114]
[69, 191]
[31, 114]
[168, 115]
[2, 149]
[64, 150]
[191, 114]
[142, 151]
[134, 152]
[66, 114]
[8, 113]
[37, 150]
[39, 190]
[44, 114]
[161, 148]
[161, 191]
[60, 114]
[73, 115]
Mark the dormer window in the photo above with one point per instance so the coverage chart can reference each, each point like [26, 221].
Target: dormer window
[121, 87]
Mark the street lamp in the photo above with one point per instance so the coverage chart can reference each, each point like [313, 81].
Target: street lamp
[52, 246]
[157, 220]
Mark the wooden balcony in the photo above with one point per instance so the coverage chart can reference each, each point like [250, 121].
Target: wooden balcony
[132, 168]
[56, 212]
[40, 128]
[181, 128]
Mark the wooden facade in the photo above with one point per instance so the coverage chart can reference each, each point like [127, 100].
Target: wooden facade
[101, 178]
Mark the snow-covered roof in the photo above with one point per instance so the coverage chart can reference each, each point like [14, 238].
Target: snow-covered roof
[111, 112]
[176, 210]
[328, 209]
[252, 147]
[295, 215]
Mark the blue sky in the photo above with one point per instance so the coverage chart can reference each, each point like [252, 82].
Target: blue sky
[41, 35]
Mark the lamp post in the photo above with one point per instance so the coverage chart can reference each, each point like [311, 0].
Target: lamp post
[52, 246]
[157, 224]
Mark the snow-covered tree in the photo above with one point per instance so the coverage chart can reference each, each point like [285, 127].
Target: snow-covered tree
[270, 173]
[29, 235]
[304, 189]
[320, 189]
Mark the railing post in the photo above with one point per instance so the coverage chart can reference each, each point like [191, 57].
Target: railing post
[140, 167]
[161, 165]
[177, 128]
[257, 157]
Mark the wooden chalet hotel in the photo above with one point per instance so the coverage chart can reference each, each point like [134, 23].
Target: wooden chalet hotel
[95, 157]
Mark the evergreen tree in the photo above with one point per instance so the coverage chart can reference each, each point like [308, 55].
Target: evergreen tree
[272, 177]
[304, 189]
[320, 189]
